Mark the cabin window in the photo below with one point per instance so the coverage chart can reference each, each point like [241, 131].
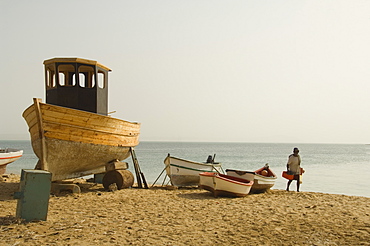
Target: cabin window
[86, 76]
[67, 75]
[93, 79]
[50, 78]
[101, 79]
[62, 79]
[82, 79]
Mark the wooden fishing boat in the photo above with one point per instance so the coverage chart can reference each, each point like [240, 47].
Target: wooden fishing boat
[264, 178]
[8, 156]
[71, 134]
[224, 185]
[186, 173]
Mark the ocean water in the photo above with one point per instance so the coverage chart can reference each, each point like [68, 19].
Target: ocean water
[330, 168]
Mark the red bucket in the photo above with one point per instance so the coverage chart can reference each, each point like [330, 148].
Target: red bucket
[287, 176]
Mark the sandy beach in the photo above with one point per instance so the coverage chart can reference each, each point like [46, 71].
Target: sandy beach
[164, 216]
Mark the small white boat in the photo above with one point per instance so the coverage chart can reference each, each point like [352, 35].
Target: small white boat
[264, 178]
[186, 173]
[7, 156]
[225, 185]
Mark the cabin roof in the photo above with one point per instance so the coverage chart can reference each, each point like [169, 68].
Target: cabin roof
[75, 59]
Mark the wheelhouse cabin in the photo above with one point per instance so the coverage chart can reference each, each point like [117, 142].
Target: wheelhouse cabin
[77, 83]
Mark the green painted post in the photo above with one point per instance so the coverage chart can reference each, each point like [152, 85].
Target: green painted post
[33, 195]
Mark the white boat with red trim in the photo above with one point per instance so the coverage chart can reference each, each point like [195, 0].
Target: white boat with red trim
[224, 185]
[8, 156]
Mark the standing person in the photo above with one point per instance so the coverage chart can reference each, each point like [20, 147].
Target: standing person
[294, 167]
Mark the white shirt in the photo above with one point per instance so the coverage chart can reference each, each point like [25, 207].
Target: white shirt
[294, 163]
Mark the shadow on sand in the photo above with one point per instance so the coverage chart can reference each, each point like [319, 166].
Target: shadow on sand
[7, 191]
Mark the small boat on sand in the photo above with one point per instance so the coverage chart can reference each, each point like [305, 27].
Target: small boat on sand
[186, 173]
[264, 178]
[8, 156]
[224, 185]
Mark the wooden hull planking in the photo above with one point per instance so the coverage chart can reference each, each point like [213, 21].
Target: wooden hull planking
[72, 143]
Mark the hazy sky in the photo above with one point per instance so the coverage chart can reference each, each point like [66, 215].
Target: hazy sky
[228, 71]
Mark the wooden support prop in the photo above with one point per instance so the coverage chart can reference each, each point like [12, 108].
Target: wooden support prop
[116, 165]
[122, 179]
[139, 175]
[43, 163]
[57, 188]
[138, 178]
[158, 177]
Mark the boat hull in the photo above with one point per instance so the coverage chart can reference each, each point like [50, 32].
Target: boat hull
[186, 173]
[72, 143]
[8, 156]
[225, 185]
[261, 183]
[248, 175]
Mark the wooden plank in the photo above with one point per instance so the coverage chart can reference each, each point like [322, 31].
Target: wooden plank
[88, 136]
[49, 126]
[89, 120]
[116, 165]
[44, 164]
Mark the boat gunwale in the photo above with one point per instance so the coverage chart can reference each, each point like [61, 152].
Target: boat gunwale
[193, 169]
[237, 180]
[217, 164]
[30, 109]
[244, 172]
[81, 111]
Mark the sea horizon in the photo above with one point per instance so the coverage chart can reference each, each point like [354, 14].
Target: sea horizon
[256, 142]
